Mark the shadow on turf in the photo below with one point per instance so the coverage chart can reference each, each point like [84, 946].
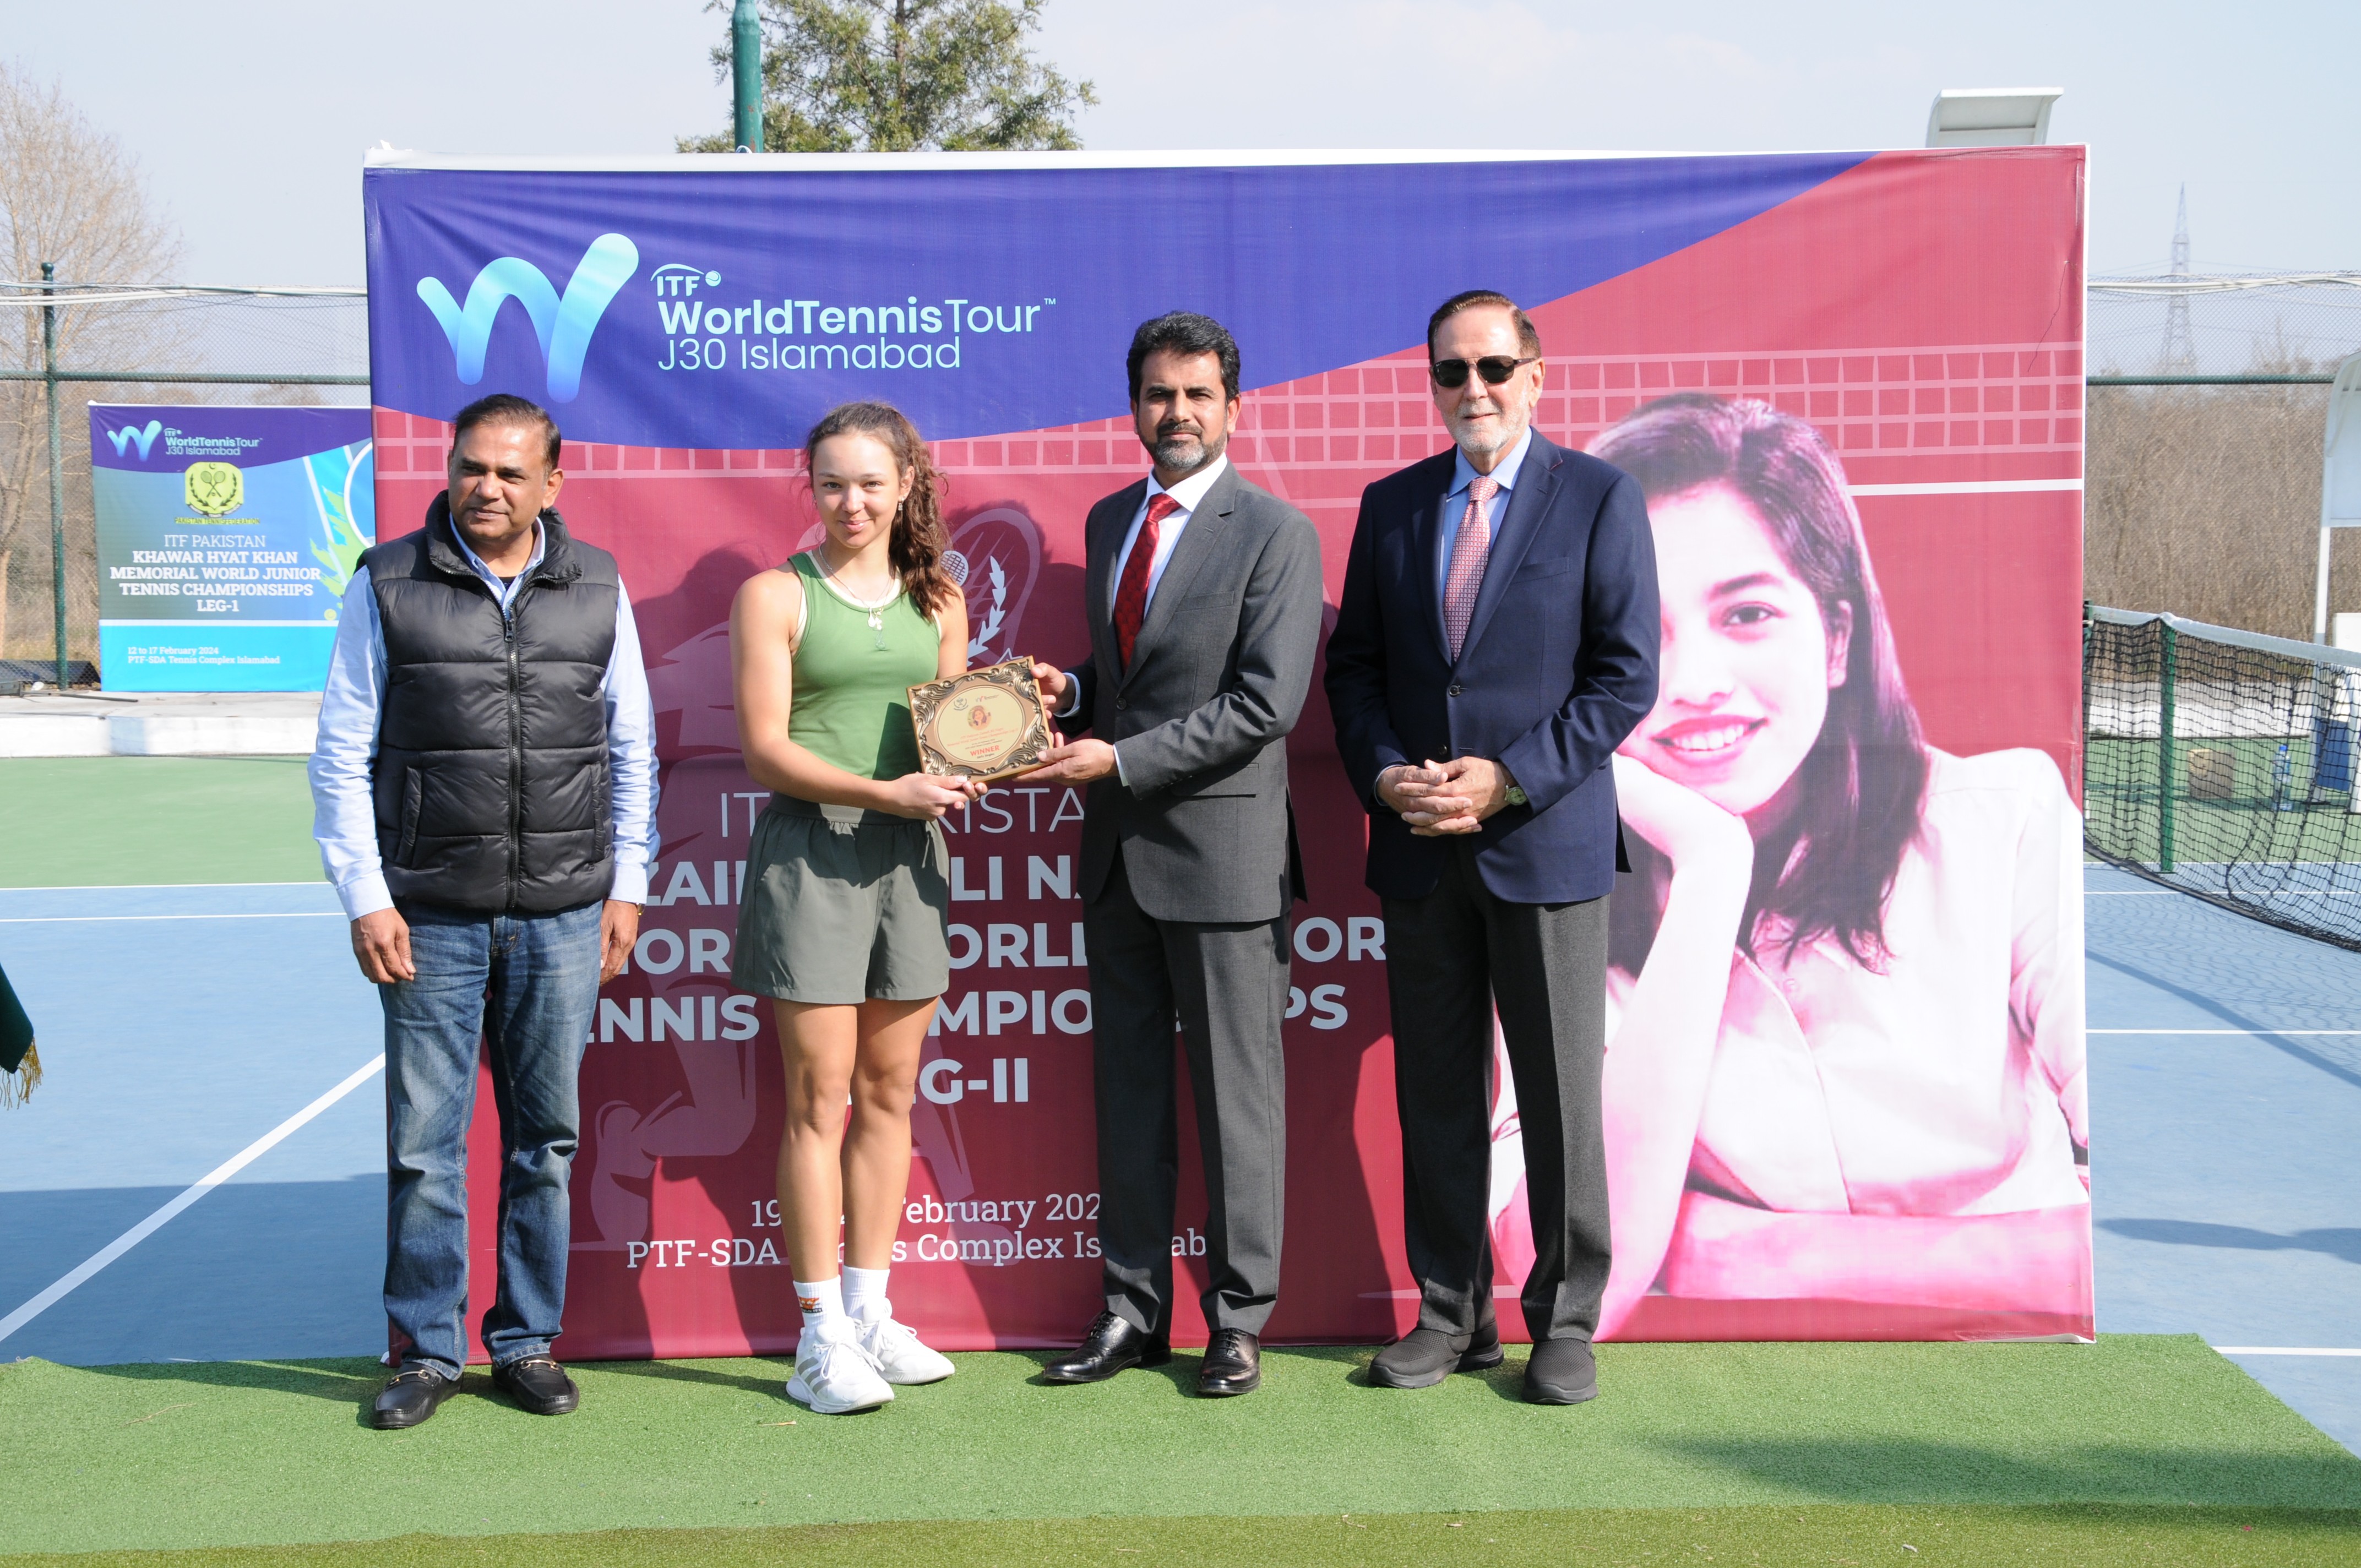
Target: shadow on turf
[672, 1372]
[338, 1382]
[2339, 1243]
[1896, 1470]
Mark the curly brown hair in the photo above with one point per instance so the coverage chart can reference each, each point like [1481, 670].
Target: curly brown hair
[917, 544]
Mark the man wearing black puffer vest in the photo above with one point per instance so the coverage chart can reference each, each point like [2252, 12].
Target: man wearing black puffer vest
[485, 792]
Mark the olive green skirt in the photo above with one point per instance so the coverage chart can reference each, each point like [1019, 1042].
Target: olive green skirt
[843, 905]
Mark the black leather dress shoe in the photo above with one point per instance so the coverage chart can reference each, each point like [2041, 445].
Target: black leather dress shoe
[1562, 1372]
[1233, 1364]
[1113, 1344]
[1423, 1357]
[537, 1384]
[410, 1396]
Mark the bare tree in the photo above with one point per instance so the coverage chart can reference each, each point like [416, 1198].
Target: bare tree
[2206, 501]
[71, 196]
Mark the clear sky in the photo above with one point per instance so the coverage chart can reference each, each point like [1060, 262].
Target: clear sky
[250, 118]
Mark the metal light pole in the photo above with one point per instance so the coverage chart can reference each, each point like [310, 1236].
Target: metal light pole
[746, 74]
[2340, 478]
[57, 474]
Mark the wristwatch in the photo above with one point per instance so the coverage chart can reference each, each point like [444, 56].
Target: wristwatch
[1516, 796]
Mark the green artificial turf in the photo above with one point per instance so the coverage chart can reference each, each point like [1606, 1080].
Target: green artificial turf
[2101, 1536]
[130, 821]
[252, 1454]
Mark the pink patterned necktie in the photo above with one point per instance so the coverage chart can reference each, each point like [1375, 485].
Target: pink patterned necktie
[1468, 550]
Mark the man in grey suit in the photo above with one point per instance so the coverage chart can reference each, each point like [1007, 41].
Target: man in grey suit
[1203, 596]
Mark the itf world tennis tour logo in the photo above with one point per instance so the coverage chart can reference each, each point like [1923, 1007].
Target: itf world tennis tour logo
[213, 489]
[130, 435]
[705, 332]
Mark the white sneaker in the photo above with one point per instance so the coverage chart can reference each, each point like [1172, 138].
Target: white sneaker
[895, 1352]
[834, 1375]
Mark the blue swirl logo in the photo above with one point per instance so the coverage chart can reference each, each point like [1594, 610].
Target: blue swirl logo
[563, 323]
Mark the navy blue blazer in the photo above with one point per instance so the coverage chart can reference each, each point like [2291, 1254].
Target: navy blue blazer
[1558, 667]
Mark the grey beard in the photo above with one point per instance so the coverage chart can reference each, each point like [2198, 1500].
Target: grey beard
[1169, 450]
[1508, 437]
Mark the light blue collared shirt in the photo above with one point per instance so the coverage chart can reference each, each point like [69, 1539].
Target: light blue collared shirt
[343, 815]
[1454, 505]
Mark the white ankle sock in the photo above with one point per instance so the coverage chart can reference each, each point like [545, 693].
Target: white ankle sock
[820, 1299]
[863, 1286]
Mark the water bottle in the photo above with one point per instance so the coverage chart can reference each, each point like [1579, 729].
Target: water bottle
[2282, 778]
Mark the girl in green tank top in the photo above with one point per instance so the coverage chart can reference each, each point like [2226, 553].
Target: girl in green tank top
[847, 889]
[856, 661]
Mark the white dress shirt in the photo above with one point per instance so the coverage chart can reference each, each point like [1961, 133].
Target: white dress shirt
[343, 814]
[1185, 495]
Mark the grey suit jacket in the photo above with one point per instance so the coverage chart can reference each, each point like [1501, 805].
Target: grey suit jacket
[1201, 718]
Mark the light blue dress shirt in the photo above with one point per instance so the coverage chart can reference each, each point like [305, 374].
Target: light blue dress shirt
[343, 815]
[1455, 505]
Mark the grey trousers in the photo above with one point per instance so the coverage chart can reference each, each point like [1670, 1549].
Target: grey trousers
[1227, 985]
[1451, 957]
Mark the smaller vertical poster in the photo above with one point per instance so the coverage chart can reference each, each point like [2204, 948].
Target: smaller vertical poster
[225, 539]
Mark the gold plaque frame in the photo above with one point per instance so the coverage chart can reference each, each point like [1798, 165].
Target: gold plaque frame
[1006, 745]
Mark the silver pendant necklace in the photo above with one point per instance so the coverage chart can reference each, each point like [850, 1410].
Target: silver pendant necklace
[877, 609]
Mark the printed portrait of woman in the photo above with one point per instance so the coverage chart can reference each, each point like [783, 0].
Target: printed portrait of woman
[1845, 993]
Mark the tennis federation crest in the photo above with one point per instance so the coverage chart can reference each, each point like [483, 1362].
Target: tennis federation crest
[213, 489]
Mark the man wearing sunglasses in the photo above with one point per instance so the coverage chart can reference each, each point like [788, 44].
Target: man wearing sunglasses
[1495, 641]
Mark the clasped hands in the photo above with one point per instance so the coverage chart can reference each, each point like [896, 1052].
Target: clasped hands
[1442, 800]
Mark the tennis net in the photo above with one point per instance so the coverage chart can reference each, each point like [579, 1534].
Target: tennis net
[2221, 762]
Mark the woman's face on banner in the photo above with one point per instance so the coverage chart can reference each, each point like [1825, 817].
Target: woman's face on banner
[1748, 659]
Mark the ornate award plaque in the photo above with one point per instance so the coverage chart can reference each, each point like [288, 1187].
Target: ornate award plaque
[986, 724]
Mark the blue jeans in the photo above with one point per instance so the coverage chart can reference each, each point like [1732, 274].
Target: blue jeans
[526, 986]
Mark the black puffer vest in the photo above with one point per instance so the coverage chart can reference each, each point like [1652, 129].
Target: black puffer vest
[491, 778]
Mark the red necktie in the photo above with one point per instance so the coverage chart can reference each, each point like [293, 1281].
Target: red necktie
[1131, 595]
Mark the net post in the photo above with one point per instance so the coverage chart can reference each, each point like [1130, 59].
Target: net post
[56, 469]
[2164, 752]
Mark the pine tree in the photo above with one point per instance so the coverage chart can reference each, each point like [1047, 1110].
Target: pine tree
[905, 75]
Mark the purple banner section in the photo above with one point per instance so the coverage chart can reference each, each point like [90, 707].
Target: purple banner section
[163, 440]
[696, 308]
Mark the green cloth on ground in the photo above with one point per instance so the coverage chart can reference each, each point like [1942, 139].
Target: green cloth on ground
[2088, 1535]
[247, 1453]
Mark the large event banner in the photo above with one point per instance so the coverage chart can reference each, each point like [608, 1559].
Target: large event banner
[225, 538]
[1852, 386]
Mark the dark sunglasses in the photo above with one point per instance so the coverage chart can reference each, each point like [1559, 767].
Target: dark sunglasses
[1452, 374]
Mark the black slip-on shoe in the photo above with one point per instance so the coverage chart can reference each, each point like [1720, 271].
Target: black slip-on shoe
[536, 1383]
[1113, 1344]
[410, 1396]
[1562, 1372]
[1423, 1357]
[1233, 1364]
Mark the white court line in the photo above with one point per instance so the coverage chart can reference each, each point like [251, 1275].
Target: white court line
[163, 1216]
[2247, 1031]
[2281, 1350]
[102, 919]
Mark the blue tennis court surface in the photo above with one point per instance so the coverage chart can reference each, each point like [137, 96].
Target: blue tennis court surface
[181, 1025]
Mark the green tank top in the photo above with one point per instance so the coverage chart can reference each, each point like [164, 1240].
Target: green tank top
[851, 702]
